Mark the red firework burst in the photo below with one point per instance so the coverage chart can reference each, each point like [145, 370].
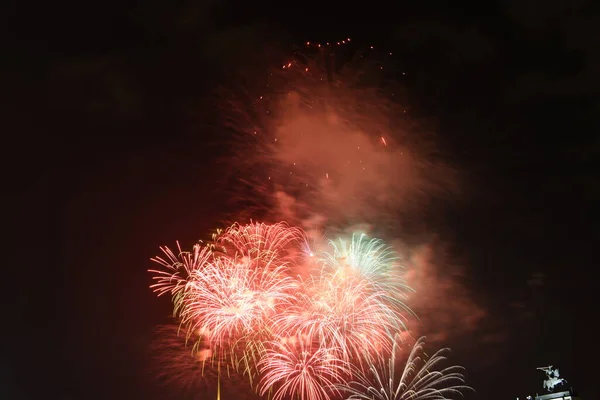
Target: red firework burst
[301, 369]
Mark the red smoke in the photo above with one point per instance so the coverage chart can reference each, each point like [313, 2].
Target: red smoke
[332, 157]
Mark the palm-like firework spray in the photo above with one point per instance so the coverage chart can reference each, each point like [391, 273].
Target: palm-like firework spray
[300, 369]
[230, 298]
[419, 379]
[344, 313]
[244, 309]
[371, 260]
[178, 268]
[225, 292]
[297, 313]
[266, 243]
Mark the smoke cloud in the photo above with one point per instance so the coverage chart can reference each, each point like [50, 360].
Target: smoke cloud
[340, 157]
[443, 304]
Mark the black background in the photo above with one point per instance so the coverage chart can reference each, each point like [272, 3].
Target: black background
[105, 158]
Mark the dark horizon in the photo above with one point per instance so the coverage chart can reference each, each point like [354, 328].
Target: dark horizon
[113, 139]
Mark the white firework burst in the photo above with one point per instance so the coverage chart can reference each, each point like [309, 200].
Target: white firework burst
[420, 379]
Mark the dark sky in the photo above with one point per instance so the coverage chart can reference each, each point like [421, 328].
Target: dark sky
[107, 125]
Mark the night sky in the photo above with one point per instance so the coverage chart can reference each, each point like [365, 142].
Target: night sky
[111, 139]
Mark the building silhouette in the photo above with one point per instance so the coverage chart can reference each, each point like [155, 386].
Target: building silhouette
[563, 395]
[555, 386]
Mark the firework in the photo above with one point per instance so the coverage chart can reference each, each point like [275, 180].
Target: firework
[343, 314]
[370, 259]
[240, 304]
[352, 303]
[297, 368]
[268, 243]
[230, 298]
[291, 310]
[178, 268]
[224, 293]
[420, 379]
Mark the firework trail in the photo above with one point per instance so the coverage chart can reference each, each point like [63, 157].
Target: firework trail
[221, 294]
[352, 302]
[370, 259]
[226, 298]
[239, 292]
[341, 314]
[299, 369]
[245, 310]
[178, 268]
[286, 307]
[259, 240]
[230, 298]
[420, 378]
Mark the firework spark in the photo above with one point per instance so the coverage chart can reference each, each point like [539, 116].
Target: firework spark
[371, 259]
[231, 298]
[178, 268]
[345, 314]
[297, 313]
[420, 378]
[300, 369]
[240, 303]
[266, 242]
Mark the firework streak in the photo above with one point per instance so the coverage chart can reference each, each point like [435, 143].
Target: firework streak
[299, 322]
